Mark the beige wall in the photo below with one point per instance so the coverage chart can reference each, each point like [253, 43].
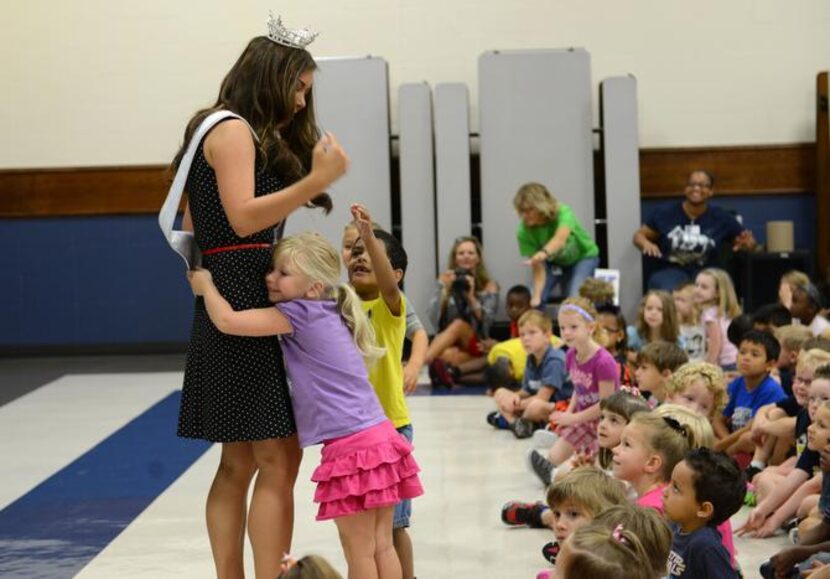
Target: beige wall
[112, 82]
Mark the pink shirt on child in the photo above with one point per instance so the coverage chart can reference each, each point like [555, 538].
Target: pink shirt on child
[728, 352]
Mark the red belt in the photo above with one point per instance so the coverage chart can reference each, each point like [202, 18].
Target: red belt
[236, 248]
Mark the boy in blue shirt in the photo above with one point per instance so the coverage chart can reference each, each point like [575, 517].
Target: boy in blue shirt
[545, 380]
[706, 489]
[757, 355]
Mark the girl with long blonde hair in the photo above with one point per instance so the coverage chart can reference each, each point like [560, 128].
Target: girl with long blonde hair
[327, 341]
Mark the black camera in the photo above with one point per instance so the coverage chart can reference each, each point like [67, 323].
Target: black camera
[460, 285]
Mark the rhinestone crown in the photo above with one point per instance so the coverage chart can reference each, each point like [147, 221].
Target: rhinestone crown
[299, 38]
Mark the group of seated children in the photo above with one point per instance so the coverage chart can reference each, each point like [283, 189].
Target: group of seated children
[648, 438]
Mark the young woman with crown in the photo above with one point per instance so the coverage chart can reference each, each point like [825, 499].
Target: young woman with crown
[249, 173]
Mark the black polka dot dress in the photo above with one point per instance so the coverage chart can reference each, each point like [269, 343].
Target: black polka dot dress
[235, 388]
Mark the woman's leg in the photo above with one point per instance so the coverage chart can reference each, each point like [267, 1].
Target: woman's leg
[271, 518]
[225, 512]
[578, 273]
[357, 536]
[553, 275]
[386, 555]
[457, 333]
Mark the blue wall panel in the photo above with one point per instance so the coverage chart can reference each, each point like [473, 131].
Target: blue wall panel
[89, 281]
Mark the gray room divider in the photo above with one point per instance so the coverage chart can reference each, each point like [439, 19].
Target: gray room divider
[535, 124]
[417, 178]
[452, 166]
[352, 100]
[621, 155]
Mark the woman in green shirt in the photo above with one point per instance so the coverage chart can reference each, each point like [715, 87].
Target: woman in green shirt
[555, 244]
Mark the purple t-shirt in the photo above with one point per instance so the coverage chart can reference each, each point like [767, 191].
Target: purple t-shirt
[587, 375]
[330, 388]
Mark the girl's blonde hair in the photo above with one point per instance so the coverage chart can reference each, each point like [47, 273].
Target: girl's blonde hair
[669, 329]
[538, 197]
[588, 487]
[318, 260]
[694, 314]
[812, 359]
[585, 310]
[792, 337]
[795, 278]
[712, 377]
[725, 296]
[700, 429]
[667, 437]
[624, 542]
[310, 567]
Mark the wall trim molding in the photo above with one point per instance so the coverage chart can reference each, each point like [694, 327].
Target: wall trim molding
[739, 170]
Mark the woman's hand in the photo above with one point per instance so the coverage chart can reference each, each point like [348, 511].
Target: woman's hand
[651, 249]
[745, 240]
[537, 258]
[471, 288]
[200, 280]
[328, 161]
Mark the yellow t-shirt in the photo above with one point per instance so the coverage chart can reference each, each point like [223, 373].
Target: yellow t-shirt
[513, 350]
[386, 374]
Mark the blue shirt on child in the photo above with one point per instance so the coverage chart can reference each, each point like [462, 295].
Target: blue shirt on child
[699, 554]
[550, 372]
[743, 404]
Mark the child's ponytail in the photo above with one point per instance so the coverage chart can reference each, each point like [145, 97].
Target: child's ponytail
[666, 436]
[348, 304]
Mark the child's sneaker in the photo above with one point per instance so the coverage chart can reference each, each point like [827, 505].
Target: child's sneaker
[523, 428]
[497, 421]
[540, 466]
[550, 551]
[440, 374]
[516, 513]
[543, 438]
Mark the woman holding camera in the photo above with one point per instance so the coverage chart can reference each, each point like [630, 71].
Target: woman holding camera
[461, 309]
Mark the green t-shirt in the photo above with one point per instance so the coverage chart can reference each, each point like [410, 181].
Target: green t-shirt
[579, 244]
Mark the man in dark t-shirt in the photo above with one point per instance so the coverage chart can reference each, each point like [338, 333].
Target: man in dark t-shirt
[687, 236]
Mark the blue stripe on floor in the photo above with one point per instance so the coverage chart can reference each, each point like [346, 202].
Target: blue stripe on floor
[55, 529]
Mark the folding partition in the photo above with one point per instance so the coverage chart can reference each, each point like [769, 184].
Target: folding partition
[535, 124]
[351, 97]
[620, 153]
[417, 179]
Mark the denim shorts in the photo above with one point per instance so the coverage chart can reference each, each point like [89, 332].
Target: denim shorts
[403, 510]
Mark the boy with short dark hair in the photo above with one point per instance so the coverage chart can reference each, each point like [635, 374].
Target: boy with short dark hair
[545, 380]
[706, 489]
[753, 389]
[656, 362]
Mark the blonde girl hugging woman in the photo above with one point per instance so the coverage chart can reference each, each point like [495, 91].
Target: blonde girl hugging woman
[367, 467]
[555, 245]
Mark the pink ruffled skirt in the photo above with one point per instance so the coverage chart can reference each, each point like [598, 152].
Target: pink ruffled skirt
[370, 469]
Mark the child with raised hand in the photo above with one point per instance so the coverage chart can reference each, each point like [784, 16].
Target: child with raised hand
[688, 321]
[699, 386]
[706, 489]
[748, 393]
[593, 372]
[656, 363]
[656, 320]
[545, 381]
[415, 331]
[623, 542]
[376, 271]
[716, 299]
[574, 501]
[325, 338]
[650, 447]
[781, 491]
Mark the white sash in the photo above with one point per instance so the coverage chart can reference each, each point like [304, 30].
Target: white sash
[183, 242]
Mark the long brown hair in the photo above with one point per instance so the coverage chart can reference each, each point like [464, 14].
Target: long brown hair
[261, 87]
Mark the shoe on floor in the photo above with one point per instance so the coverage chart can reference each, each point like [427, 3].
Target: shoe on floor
[523, 428]
[540, 466]
[550, 551]
[440, 375]
[498, 421]
[516, 513]
[543, 439]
